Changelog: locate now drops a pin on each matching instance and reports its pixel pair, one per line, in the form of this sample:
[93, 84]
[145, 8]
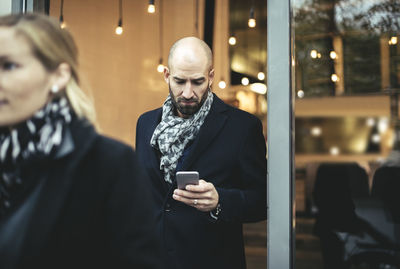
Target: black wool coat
[230, 152]
[92, 209]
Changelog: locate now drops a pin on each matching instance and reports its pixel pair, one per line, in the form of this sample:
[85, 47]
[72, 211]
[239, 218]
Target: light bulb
[160, 68]
[383, 125]
[376, 138]
[259, 88]
[151, 8]
[252, 22]
[393, 40]
[261, 75]
[370, 122]
[62, 22]
[232, 40]
[316, 131]
[300, 93]
[222, 84]
[333, 55]
[334, 150]
[245, 81]
[334, 78]
[314, 54]
[119, 30]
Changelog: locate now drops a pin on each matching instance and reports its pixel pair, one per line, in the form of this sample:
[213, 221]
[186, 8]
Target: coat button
[167, 207]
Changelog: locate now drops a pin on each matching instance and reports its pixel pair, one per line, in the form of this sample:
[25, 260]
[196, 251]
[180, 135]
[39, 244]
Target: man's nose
[188, 91]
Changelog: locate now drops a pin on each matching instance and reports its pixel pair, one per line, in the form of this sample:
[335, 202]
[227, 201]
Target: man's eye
[198, 82]
[180, 82]
[8, 66]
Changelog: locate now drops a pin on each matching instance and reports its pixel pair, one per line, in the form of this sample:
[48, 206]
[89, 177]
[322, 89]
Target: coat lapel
[152, 154]
[212, 125]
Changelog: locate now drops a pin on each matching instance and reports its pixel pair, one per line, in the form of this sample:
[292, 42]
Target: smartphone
[184, 178]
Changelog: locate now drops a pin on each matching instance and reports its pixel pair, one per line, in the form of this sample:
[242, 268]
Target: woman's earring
[54, 89]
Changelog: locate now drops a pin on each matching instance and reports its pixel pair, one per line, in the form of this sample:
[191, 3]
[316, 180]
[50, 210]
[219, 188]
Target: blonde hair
[52, 46]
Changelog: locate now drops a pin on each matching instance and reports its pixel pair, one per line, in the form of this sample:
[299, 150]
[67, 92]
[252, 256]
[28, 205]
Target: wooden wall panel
[121, 70]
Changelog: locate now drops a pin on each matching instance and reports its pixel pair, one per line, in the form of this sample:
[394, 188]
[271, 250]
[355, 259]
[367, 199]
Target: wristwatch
[215, 213]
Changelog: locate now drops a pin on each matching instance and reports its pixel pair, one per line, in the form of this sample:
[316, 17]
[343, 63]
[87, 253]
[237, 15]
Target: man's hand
[204, 196]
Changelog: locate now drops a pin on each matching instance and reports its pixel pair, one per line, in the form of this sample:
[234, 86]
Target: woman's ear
[61, 76]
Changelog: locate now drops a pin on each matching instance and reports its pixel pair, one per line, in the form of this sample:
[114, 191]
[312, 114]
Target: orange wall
[121, 70]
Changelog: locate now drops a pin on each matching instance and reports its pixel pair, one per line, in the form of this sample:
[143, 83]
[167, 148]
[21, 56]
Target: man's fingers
[193, 195]
[183, 199]
[203, 197]
[201, 204]
[202, 187]
[188, 201]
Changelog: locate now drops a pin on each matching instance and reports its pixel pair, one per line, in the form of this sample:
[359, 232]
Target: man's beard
[187, 110]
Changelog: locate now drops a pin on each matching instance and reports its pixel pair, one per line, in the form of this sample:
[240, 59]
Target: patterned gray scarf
[34, 139]
[173, 133]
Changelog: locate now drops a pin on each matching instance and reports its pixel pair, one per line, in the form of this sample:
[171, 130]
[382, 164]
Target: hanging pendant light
[119, 30]
[62, 22]
[160, 66]
[151, 8]
[252, 21]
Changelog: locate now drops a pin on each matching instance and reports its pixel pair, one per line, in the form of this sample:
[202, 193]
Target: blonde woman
[69, 197]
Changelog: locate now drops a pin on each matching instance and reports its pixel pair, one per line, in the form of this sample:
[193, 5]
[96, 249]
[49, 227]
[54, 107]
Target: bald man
[201, 226]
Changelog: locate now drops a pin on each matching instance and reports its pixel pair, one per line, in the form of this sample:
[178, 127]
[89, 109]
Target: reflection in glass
[347, 56]
[247, 62]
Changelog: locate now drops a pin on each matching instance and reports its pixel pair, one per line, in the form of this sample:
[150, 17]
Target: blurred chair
[375, 244]
[336, 185]
[386, 187]
[377, 241]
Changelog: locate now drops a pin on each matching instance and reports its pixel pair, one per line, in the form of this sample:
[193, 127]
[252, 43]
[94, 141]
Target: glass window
[248, 57]
[347, 83]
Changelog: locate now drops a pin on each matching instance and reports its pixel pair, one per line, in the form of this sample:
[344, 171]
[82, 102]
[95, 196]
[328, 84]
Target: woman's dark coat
[90, 208]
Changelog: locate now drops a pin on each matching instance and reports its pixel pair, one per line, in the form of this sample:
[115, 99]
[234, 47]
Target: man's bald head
[190, 49]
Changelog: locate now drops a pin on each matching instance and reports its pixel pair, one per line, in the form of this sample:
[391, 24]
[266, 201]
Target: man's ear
[61, 76]
[166, 74]
[210, 77]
